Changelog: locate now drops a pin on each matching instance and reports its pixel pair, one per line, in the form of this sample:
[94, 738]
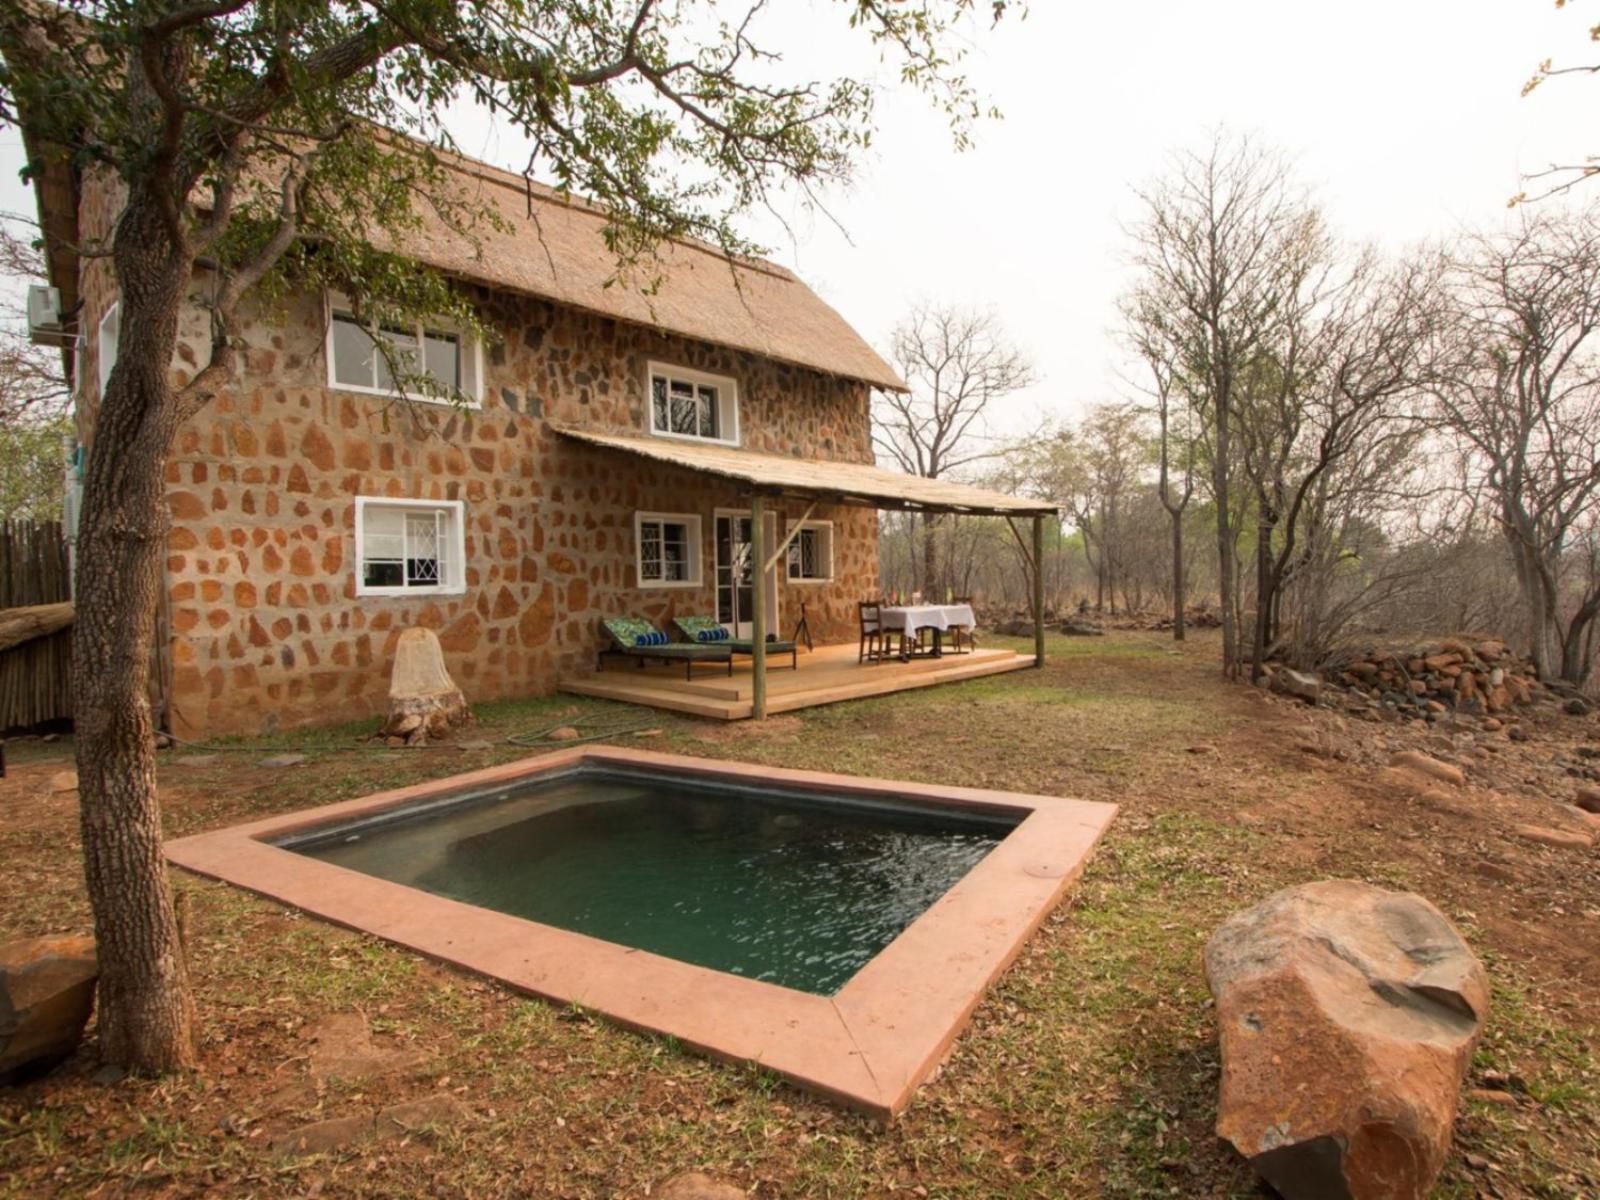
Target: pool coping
[869, 1046]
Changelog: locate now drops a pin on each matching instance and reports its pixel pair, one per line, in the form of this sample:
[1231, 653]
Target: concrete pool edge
[870, 1045]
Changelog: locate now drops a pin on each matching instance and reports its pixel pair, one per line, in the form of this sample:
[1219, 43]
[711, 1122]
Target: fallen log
[19, 625]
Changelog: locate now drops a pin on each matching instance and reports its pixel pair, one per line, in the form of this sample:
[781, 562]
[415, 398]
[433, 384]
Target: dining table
[909, 618]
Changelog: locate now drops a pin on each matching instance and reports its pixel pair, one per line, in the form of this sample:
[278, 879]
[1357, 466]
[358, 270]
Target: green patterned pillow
[628, 630]
[693, 627]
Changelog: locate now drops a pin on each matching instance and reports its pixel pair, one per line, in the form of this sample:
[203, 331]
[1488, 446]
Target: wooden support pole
[1038, 591]
[758, 610]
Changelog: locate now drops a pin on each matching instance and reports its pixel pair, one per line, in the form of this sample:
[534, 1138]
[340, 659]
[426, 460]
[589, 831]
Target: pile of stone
[1474, 678]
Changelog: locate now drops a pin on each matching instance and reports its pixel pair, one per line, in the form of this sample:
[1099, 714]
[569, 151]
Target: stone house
[315, 514]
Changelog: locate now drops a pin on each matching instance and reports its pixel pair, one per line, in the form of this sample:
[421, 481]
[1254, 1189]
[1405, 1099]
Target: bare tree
[1518, 383]
[957, 363]
[1092, 470]
[1209, 249]
[1156, 343]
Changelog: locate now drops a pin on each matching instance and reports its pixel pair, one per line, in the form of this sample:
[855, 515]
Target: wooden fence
[35, 677]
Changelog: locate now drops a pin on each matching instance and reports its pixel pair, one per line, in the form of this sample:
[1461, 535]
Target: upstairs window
[691, 404]
[447, 357]
[668, 546]
[811, 553]
[408, 547]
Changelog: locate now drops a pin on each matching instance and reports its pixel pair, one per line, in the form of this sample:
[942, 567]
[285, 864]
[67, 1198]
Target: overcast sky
[1404, 118]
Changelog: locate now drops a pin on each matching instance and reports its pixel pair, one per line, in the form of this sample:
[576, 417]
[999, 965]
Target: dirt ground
[334, 1065]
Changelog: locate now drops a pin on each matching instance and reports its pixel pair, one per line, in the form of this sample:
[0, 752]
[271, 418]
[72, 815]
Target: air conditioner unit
[45, 326]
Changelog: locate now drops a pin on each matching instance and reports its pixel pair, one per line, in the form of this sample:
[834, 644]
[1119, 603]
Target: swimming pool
[838, 931]
[791, 887]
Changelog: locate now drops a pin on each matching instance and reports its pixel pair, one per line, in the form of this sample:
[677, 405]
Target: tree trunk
[1225, 553]
[146, 1017]
[930, 557]
[1258, 642]
[1178, 598]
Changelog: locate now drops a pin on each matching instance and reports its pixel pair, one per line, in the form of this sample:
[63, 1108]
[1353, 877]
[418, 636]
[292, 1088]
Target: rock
[282, 760]
[1297, 684]
[475, 744]
[694, 1185]
[195, 760]
[1561, 839]
[1077, 629]
[1202, 749]
[1348, 1015]
[1491, 724]
[1576, 707]
[46, 994]
[436, 1111]
[424, 702]
[1517, 733]
[323, 1137]
[567, 733]
[343, 1049]
[1425, 764]
[64, 781]
[1588, 799]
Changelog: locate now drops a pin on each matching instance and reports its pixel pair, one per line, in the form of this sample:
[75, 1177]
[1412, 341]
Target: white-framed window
[692, 404]
[811, 553]
[667, 549]
[451, 358]
[409, 547]
[106, 338]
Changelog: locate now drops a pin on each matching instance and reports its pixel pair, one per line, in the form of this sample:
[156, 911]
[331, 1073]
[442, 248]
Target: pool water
[795, 889]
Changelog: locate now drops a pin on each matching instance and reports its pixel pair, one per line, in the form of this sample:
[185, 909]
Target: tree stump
[424, 701]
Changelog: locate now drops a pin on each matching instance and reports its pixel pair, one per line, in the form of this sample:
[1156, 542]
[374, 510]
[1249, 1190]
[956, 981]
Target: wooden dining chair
[964, 633]
[874, 637]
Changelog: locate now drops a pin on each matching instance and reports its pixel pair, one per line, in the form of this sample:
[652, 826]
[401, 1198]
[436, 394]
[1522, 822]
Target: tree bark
[146, 1012]
[1178, 597]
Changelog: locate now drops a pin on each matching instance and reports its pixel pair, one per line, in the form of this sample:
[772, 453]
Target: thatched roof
[832, 482]
[553, 247]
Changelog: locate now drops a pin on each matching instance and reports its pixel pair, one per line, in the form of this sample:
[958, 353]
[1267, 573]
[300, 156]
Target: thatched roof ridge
[554, 248]
[833, 482]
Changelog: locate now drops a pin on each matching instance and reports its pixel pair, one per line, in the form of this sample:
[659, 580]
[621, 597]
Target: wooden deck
[825, 675]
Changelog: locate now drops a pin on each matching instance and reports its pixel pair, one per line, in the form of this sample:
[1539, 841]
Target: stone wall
[266, 628]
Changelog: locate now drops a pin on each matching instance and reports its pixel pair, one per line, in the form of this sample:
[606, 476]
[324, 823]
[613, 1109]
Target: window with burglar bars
[688, 404]
[811, 554]
[406, 548]
[668, 549]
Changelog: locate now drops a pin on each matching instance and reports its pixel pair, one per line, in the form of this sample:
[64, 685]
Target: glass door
[736, 573]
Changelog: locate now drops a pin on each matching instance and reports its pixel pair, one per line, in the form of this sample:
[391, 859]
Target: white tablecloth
[927, 616]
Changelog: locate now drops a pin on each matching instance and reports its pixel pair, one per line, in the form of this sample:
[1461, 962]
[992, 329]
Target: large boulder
[46, 995]
[1347, 1016]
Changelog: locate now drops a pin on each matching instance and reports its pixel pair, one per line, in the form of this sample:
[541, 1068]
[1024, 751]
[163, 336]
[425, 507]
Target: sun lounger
[692, 628]
[640, 639]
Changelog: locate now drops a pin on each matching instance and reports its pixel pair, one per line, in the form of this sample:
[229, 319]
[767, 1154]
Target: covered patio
[825, 673]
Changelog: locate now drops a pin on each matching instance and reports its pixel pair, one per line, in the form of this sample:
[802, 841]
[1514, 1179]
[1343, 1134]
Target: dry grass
[1089, 1071]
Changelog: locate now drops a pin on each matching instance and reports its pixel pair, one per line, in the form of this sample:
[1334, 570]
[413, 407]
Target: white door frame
[740, 628]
